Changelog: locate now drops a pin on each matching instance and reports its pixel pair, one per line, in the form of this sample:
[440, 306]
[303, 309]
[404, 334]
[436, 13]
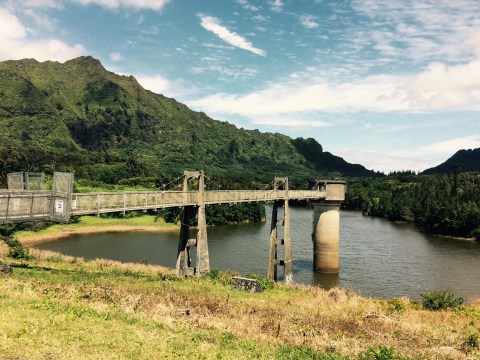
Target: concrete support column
[326, 237]
[202, 259]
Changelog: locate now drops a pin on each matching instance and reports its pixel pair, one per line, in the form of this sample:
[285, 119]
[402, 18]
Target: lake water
[378, 258]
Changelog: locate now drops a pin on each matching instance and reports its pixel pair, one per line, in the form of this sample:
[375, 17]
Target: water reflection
[377, 258]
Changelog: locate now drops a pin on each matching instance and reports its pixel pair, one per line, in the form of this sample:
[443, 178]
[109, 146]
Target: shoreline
[88, 225]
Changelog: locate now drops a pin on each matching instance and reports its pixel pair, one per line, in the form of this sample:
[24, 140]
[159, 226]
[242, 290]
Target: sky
[391, 85]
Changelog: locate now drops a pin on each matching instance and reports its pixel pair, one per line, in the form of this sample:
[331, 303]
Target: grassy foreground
[57, 307]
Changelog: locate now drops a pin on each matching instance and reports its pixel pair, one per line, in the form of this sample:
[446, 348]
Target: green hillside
[461, 161]
[79, 116]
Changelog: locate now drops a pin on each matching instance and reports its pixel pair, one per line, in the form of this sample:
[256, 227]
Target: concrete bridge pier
[202, 261]
[326, 236]
[275, 232]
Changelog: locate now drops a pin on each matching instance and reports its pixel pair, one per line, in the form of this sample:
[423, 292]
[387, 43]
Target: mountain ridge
[78, 115]
[465, 160]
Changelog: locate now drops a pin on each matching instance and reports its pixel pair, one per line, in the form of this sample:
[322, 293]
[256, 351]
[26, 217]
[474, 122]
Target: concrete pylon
[326, 237]
[202, 261]
[286, 241]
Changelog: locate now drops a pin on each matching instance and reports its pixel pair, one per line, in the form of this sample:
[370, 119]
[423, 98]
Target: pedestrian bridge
[25, 200]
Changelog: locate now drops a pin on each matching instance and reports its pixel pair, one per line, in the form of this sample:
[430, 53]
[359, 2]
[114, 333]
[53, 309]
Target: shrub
[265, 283]
[472, 342]
[396, 305]
[378, 353]
[440, 299]
[15, 248]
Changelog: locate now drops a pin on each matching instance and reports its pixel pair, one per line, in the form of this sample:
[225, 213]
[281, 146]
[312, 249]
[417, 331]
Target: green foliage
[221, 277]
[226, 213]
[378, 353]
[106, 127]
[473, 342]
[462, 160]
[396, 305]
[442, 204]
[15, 249]
[440, 300]
[265, 283]
[287, 352]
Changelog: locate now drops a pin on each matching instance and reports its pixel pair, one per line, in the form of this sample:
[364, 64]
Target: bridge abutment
[326, 237]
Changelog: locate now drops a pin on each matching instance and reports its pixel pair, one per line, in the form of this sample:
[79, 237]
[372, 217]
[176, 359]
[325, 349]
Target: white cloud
[276, 5]
[10, 26]
[453, 145]
[385, 162]
[15, 43]
[213, 24]
[115, 56]
[248, 6]
[157, 83]
[41, 20]
[420, 30]
[297, 123]
[135, 4]
[438, 87]
[308, 21]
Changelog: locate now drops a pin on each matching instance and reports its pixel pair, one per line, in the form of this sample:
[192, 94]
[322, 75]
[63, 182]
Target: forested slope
[462, 160]
[441, 204]
[106, 127]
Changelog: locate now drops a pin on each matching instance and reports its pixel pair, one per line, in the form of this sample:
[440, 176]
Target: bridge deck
[48, 205]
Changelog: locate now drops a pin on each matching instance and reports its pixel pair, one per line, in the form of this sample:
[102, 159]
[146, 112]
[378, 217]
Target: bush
[378, 353]
[15, 248]
[265, 283]
[396, 305]
[441, 299]
[472, 342]
[221, 277]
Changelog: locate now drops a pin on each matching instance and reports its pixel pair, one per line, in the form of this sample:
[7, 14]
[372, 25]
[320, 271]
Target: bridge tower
[184, 262]
[275, 241]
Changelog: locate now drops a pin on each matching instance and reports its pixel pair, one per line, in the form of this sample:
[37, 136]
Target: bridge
[25, 200]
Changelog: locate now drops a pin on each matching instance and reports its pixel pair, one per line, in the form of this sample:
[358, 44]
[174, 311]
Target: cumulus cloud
[10, 26]
[135, 4]
[16, 44]
[438, 87]
[156, 83]
[213, 24]
[451, 146]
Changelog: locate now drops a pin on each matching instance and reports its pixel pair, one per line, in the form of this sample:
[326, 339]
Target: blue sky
[392, 85]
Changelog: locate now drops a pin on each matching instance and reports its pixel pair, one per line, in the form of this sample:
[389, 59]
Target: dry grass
[120, 305]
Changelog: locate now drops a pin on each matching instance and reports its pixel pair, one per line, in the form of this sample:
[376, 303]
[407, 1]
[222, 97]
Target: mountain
[462, 160]
[79, 116]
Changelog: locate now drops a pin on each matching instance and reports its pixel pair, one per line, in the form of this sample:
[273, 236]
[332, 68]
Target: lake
[378, 258]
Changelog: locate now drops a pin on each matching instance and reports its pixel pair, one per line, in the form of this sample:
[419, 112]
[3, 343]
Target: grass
[61, 307]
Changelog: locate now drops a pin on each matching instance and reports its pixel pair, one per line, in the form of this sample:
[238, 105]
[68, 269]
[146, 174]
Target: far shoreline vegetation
[442, 205]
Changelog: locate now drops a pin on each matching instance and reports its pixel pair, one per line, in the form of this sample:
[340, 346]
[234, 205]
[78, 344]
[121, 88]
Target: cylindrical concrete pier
[326, 237]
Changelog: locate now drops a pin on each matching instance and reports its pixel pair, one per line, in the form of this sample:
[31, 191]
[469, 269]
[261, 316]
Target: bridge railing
[91, 203]
[33, 205]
